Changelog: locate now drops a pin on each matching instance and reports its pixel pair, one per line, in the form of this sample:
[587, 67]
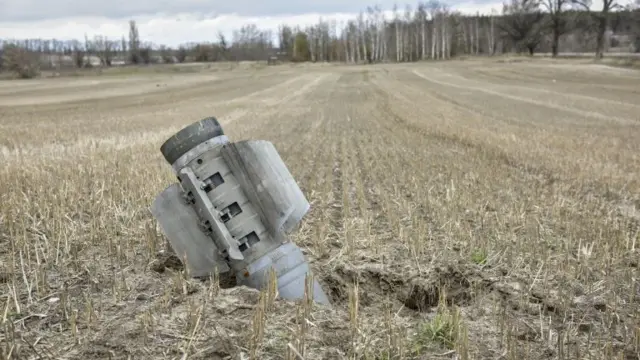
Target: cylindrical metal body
[223, 190]
[251, 214]
[290, 267]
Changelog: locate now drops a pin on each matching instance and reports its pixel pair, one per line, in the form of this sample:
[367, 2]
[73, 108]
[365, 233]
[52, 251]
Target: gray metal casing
[267, 182]
[204, 164]
[232, 210]
[179, 223]
[254, 177]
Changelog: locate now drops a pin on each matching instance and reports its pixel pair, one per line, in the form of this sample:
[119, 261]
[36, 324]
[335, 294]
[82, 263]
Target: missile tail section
[232, 209]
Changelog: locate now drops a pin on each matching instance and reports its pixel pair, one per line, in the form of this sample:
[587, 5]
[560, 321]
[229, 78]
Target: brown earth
[460, 210]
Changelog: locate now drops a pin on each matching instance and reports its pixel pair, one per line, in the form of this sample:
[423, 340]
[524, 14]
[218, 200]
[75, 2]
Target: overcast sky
[173, 22]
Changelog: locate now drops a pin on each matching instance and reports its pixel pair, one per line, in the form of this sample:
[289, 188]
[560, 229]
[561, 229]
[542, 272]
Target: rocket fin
[179, 223]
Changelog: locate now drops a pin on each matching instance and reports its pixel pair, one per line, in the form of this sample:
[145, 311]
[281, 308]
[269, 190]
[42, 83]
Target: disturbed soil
[480, 209]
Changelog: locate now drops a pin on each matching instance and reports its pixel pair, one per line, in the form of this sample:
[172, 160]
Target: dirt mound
[457, 284]
[166, 260]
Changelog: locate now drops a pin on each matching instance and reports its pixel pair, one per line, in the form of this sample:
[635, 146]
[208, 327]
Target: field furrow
[462, 210]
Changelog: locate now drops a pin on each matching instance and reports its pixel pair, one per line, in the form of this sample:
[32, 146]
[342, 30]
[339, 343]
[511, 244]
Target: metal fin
[179, 222]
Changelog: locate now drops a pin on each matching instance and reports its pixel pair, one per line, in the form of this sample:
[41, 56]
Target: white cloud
[174, 29]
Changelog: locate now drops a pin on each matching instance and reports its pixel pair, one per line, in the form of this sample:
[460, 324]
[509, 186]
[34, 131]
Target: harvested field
[460, 210]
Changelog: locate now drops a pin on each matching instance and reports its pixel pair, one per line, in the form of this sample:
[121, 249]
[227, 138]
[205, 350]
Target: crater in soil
[456, 284]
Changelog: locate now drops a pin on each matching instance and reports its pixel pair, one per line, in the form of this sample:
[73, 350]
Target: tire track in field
[398, 128]
[377, 147]
[135, 138]
[273, 117]
[289, 127]
[412, 194]
[500, 133]
[550, 93]
[521, 166]
[462, 144]
[320, 190]
[314, 139]
[413, 202]
[337, 210]
[432, 102]
[108, 90]
[367, 219]
[556, 136]
[570, 110]
[63, 123]
[476, 123]
[312, 156]
[576, 82]
[281, 87]
[365, 155]
[560, 89]
[348, 93]
[222, 91]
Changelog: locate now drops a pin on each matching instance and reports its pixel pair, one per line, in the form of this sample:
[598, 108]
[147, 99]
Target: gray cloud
[30, 10]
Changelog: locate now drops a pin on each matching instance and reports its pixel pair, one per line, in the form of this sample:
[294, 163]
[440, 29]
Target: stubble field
[460, 210]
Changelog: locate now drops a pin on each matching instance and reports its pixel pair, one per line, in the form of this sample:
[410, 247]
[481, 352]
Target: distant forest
[426, 31]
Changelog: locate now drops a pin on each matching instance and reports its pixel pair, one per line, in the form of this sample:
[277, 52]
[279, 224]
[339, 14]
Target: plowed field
[459, 210]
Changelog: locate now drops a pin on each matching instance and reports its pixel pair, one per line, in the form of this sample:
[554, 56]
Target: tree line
[427, 31]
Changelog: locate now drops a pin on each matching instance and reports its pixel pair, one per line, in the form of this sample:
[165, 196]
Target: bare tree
[181, 54]
[635, 8]
[477, 33]
[602, 21]
[145, 54]
[522, 22]
[491, 33]
[90, 51]
[166, 54]
[427, 30]
[123, 49]
[422, 19]
[407, 46]
[372, 29]
[223, 44]
[78, 55]
[445, 32]
[398, 34]
[558, 19]
[20, 61]
[134, 43]
[434, 8]
[104, 49]
[384, 44]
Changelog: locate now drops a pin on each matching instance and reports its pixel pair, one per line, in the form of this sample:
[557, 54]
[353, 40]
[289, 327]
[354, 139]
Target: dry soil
[477, 209]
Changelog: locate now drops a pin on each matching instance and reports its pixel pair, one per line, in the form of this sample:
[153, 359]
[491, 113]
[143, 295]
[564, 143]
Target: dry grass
[461, 210]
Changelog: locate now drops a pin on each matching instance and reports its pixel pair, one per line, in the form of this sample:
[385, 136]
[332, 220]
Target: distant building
[277, 58]
[62, 61]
